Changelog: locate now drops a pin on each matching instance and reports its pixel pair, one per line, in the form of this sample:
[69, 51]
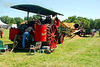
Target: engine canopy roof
[35, 9]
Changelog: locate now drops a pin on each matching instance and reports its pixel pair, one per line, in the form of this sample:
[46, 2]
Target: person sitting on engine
[76, 26]
[53, 19]
[26, 34]
[93, 32]
[57, 22]
[48, 19]
[99, 32]
[77, 30]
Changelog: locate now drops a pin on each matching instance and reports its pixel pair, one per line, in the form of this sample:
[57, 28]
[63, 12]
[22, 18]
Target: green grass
[72, 53]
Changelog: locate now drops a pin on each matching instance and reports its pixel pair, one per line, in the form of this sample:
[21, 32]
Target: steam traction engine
[47, 34]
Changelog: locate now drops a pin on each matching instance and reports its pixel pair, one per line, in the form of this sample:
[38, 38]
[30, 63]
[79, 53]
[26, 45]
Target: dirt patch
[75, 37]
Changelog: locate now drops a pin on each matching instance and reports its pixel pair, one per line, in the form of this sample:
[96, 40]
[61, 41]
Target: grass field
[84, 52]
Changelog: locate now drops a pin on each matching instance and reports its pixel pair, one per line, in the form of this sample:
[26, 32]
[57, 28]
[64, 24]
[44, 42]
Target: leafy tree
[97, 23]
[5, 19]
[34, 17]
[88, 23]
[29, 18]
[76, 21]
[12, 21]
[92, 23]
[18, 20]
[72, 19]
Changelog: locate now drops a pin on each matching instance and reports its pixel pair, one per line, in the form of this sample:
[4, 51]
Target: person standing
[99, 32]
[93, 32]
[26, 34]
[53, 19]
[1, 32]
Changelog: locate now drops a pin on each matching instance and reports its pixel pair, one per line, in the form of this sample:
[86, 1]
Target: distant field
[83, 52]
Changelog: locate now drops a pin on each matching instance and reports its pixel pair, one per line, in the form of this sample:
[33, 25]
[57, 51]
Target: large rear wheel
[52, 36]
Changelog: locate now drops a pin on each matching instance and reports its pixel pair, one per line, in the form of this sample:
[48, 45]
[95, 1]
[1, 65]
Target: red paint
[1, 34]
[57, 22]
[12, 33]
[52, 36]
[62, 38]
[40, 32]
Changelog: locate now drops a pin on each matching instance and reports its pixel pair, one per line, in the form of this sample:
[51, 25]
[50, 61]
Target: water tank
[40, 32]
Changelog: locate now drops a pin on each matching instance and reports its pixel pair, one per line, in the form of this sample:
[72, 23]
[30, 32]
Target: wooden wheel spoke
[49, 34]
[55, 31]
[49, 42]
[54, 40]
[55, 35]
[52, 36]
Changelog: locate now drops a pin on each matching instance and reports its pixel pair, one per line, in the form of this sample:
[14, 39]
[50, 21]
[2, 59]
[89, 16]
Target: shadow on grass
[17, 50]
[28, 53]
[22, 50]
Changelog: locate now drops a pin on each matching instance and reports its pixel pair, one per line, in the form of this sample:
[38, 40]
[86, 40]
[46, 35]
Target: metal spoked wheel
[52, 36]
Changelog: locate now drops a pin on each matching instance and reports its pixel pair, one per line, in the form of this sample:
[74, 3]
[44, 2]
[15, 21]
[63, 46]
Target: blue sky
[84, 8]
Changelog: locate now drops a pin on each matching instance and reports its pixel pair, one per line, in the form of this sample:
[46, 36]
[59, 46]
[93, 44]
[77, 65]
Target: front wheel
[61, 38]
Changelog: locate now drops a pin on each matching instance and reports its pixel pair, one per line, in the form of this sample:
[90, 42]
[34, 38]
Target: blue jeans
[26, 34]
[99, 32]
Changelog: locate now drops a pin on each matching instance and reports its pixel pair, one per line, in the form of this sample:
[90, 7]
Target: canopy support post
[27, 16]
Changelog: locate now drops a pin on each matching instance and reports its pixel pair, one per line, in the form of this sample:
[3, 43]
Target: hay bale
[77, 37]
[70, 25]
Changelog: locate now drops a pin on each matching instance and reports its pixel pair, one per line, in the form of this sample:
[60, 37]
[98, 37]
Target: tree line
[17, 20]
[89, 23]
[9, 20]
